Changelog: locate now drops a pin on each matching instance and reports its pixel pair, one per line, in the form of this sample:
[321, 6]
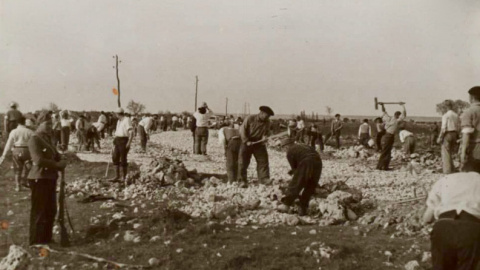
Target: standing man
[144, 129]
[254, 133]
[201, 131]
[380, 133]
[448, 137]
[102, 119]
[306, 168]
[434, 131]
[57, 130]
[455, 238]
[391, 127]
[300, 130]
[335, 130]
[364, 133]
[470, 124]
[81, 130]
[174, 123]
[229, 138]
[121, 144]
[18, 140]
[11, 118]
[292, 129]
[43, 181]
[65, 123]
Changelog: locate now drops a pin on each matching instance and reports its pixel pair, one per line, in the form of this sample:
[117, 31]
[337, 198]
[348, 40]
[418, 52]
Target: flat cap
[44, 117]
[13, 104]
[287, 141]
[474, 91]
[266, 110]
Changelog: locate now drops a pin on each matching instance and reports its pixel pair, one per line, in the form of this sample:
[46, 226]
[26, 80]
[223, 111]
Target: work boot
[117, 175]
[125, 174]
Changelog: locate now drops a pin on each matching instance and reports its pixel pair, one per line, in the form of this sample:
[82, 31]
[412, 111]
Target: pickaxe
[383, 103]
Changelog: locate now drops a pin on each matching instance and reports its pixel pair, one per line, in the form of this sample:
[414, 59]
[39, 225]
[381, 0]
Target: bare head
[337, 116]
[397, 114]
[474, 94]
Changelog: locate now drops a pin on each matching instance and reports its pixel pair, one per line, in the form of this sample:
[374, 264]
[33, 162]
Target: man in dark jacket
[306, 169]
[43, 181]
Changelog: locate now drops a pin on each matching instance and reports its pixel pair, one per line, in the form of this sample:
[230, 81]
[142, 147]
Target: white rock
[137, 225]
[155, 238]
[16, 259]
[129, 236]
[153, 262]
[313, 232]
[412, 265]
[10, 213]
[427, 256]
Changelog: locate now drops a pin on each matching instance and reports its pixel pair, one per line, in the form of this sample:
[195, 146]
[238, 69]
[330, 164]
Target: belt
[464, 216]
[20, 146]
[451, 131]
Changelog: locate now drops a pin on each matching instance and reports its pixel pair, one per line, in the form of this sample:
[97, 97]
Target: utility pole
[196, 92]
[226, 106]
[118, 80]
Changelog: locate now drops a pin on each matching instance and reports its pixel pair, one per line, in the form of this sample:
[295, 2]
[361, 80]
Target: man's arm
[443, 129]
[463, 149]
[404, 112]
[433, 200]
[359, 131]
[244, 130]
[221, 138]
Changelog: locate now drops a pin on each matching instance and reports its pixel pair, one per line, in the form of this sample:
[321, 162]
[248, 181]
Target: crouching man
[306, 167]
[455, 204]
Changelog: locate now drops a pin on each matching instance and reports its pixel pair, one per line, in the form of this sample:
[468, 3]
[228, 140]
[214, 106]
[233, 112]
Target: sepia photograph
[240, 134]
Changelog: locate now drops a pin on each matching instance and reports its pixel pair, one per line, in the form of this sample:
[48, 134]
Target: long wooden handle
[64, 240]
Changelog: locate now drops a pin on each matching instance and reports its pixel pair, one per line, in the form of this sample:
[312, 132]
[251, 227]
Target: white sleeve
[221, 137]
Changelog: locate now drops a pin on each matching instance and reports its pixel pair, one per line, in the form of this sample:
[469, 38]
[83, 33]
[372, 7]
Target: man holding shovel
[254, 133]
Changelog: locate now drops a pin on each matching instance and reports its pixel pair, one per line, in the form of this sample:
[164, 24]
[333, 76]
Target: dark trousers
[305, 178]
[293, 133]
[473, 158]
[65, 138]
[56, 138]
[336, 135]
[386, 155]
[21, 160]
[120, 151]
[143, 137]
[231, 152]
[43, 210]
[449, 146]
[92, 138]
[378, 139]
[456, 245]
[201, 140]
[259, 151]
[300, 136]
[364, 138]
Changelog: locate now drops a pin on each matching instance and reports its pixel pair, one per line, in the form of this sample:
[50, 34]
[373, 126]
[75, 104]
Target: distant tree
[135, 107]
[186, 113]
[458, 106]
[329, 110]
[167, 113]
[52, 107]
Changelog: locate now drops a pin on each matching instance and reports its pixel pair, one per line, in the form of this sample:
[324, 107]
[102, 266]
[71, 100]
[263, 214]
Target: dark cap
[44, 117]
[266, 110]
[474, 91]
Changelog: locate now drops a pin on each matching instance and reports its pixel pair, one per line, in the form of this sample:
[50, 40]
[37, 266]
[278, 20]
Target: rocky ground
[178, 212]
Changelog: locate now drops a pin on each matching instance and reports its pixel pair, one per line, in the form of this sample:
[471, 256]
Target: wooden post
[118, 81]
[196, 93]
[226, 106]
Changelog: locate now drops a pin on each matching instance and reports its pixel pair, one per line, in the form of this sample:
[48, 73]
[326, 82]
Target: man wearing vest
[470, 124]
[229, 138]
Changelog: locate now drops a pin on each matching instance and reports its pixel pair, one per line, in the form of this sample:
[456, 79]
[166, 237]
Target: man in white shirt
[408, 140]
[121, 144]
[364, 133]
[455, 239]
[81, 132]
[300, 130]
[448, 136]
[18, 140]
[201, 132]
[143, 129]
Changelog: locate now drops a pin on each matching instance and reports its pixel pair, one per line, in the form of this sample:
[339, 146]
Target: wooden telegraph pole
[196, 93]
[118, 81]
[226, 106]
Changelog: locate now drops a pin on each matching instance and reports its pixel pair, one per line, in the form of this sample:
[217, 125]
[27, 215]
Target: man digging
[306, 169]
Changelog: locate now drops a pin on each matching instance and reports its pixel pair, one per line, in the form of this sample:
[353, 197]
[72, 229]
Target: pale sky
[290, 55]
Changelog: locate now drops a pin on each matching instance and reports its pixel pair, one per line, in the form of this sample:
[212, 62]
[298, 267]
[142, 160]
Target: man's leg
[468, 243]
[204, 144]
[447, 154]
[116, 160]
[197, 142]
[314, 171]
[244, 161]
[383, 160]
[232, 159]
[17, 167]
[444, 254]
[41, 223]
[337, 137]
[388, 149]
[261, 156]
[51, 208]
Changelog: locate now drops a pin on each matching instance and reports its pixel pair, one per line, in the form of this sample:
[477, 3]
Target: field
[172, 222]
